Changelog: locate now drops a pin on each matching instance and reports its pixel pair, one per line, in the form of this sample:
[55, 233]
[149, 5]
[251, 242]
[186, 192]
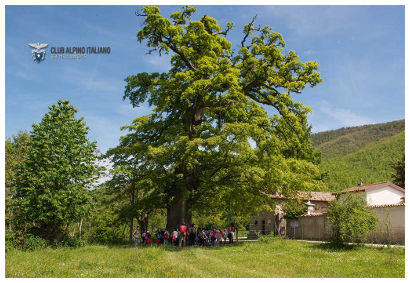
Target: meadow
[269, 258]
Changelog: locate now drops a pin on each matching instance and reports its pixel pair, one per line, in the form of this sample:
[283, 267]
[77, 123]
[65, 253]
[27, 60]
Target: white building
[384, 193]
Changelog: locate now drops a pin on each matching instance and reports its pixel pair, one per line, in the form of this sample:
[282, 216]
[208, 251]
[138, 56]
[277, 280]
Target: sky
[360, 50]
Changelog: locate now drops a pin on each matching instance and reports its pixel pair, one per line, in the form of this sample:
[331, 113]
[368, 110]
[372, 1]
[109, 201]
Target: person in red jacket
[182, 234]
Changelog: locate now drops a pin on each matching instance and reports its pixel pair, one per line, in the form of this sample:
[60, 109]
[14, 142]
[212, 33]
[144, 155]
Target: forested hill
[366, 152]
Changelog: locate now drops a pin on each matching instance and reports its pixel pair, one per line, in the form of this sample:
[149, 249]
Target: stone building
[274, 221]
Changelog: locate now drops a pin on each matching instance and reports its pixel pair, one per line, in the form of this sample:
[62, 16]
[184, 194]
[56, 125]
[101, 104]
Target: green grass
[276, 258]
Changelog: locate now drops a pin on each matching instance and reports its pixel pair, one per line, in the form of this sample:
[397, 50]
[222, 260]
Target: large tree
[209, 135]
[53, 181]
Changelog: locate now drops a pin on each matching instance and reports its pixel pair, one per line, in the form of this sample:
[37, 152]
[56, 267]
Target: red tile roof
[371, 187]
[313, 214]
[314, 196]
[386, 205]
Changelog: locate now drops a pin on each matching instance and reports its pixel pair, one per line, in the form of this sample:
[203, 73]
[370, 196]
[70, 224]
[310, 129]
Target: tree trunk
[80, 225]
[143, 223]
[178, 213]
[132, 218]
[10, 228]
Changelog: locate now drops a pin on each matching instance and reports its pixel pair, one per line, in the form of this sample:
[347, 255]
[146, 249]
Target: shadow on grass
[173, 248]
[331, 247]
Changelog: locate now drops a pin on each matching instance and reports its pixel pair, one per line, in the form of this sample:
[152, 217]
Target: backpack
[182, 228]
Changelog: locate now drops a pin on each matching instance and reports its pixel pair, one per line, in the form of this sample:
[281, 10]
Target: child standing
[166, 236]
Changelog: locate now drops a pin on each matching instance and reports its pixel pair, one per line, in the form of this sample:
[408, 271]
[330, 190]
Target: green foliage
[16, 149]
[73, 242]
[34, 242]
[209, 144]
[12, 240]
[294, 208]
[269, 238]
[399, 175]
[351, 219]
[53, 181]
[106, 227]
[372, 164]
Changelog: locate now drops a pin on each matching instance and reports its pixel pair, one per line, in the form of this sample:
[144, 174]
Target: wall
[390, 227]
[310, 228]
[385, 195]
[256, 222]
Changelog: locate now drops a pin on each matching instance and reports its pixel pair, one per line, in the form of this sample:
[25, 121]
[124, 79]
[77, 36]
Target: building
[274, 221]
[384, 193]
[386, 199]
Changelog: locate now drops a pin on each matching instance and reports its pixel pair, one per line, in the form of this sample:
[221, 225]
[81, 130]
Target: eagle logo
[38, 53]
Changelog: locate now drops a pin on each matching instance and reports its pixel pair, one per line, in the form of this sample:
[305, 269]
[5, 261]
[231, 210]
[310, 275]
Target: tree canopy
[60, 166]
[209, 143]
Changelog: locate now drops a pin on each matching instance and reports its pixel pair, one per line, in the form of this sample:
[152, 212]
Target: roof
[371, 187]
[314, 196]
[313, 214]
[387, 205]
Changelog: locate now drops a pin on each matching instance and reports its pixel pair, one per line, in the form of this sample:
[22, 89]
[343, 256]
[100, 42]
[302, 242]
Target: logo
[38, 53]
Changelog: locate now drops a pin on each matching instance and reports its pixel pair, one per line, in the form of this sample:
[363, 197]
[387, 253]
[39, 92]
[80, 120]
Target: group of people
[184, 236]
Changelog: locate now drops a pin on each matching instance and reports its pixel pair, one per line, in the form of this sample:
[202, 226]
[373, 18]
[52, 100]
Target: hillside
[341, 142]
[366, 152]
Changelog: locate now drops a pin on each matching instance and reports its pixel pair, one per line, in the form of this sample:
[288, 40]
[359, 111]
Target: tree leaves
[53, 181]
[209, 135]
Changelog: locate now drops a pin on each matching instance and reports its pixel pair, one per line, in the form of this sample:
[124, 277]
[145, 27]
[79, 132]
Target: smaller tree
[399, 175]
[53, 181]
[351, 219]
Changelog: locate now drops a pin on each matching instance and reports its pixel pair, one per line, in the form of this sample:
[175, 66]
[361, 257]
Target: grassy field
[275, 258]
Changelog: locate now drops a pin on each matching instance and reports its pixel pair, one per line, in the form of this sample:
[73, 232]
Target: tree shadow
[332, 247]
[173, 248]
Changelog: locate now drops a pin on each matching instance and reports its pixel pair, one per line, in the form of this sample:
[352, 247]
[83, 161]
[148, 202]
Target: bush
[268, 238]
[74, 243]
[107, 228]
[351, 219]
[12, 240]
[33, 242]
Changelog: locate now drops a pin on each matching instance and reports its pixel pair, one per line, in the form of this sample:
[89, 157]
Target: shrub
[12, 240]
[268, 238]
[73, 242]
[351, 219]
[33, 242]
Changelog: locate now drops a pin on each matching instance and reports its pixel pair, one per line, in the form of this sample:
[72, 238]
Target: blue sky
[360, 50]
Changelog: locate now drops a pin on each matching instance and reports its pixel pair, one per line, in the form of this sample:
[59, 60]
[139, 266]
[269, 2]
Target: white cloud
[343, 117]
